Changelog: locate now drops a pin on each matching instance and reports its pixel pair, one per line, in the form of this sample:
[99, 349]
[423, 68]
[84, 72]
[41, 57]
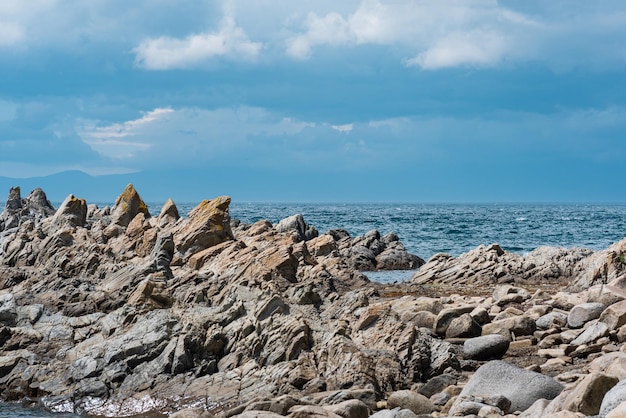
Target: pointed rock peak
[73, 210]
[127, 206]
[14, 201]
[206, 208]
[38, 202]
[208, 225]
[169, 209]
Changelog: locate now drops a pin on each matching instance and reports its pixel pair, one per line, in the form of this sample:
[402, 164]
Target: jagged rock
[8, 310]
[127, 205]
[73, 211]
[162, 254]
[295, 224]
[208, 225]
[169, 214]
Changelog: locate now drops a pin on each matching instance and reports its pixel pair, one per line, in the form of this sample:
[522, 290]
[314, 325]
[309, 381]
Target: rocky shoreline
[114, 312]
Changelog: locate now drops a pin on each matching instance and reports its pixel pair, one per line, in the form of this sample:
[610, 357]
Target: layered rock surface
[113, 312]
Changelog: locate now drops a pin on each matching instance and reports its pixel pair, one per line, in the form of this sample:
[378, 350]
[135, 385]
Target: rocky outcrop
[487, 265]
[35, 207]
[205, 315]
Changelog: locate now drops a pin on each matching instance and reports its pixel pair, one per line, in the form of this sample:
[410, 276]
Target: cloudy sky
[404, 100]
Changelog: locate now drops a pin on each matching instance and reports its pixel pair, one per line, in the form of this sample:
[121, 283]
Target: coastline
[117, 312]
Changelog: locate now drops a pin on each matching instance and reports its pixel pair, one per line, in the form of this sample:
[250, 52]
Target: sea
[428, 229]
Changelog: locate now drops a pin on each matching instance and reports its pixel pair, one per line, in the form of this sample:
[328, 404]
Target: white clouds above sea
[110, 86]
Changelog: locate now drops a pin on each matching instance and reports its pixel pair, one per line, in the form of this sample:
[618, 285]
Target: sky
[358, 100]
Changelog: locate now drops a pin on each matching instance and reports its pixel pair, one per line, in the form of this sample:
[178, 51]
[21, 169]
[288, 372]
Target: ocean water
[427, 229]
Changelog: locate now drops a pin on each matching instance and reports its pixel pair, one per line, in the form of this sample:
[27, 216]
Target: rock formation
[116, 313]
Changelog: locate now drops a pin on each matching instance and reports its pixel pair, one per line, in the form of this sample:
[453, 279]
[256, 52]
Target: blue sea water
[427, 229]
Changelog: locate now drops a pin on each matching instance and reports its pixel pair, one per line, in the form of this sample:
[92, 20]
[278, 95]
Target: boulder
[394, 413]
[486, 347]
[580, 314]
[613, 398]
[587, 396]
[551, 319]
[463, 327]
[521, 387]
[591, 334]
[518, 325]
[615, 315]
[413, 401]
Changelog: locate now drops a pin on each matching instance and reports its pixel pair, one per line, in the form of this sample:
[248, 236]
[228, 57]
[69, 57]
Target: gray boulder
[522, 387]
[407, 399]
[613, 398]
[580, 314]
[551, 319]
[394, 413]
[594, 332]
[486, 347]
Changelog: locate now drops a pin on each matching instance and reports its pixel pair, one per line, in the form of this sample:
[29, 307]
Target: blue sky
[403, 100]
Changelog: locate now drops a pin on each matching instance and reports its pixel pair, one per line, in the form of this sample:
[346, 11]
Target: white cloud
[443, 33]
[167, 53]
[347, 128]
[477, 48]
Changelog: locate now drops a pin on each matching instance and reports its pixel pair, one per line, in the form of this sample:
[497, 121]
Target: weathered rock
[463, 327]
[296, 225]
[394, 413]
[518, 325]
[169, 214]
[613, 398]
[486, 347]
[579, 315]
[413, 401]
[591, 334]
[615, 315]
[587, 397]
[72, 211]
[551, 319]
[127, 205]
[445, 317]
[8, 310]
[521, 387]
[208, 225]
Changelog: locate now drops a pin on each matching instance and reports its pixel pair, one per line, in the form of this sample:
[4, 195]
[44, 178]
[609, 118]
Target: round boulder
[486, 347]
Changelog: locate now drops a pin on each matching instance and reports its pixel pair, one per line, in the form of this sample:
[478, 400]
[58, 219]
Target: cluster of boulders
[114, 312]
